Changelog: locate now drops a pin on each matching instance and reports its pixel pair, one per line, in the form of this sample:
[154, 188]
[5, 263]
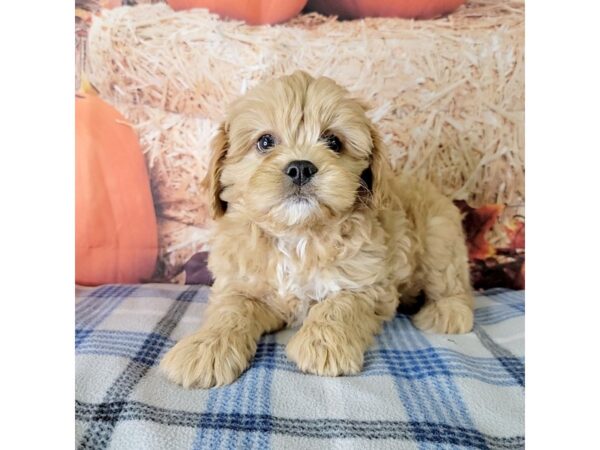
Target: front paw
[322, 350]
[208, 358]
[448, 316]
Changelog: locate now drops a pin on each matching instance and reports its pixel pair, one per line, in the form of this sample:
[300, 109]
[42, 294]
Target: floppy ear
[212, 181]
[377, 176]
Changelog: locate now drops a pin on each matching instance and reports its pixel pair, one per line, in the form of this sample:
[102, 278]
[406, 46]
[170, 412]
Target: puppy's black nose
[300, 171]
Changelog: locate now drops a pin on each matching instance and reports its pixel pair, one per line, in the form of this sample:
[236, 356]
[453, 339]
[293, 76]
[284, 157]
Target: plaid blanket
[416, 390]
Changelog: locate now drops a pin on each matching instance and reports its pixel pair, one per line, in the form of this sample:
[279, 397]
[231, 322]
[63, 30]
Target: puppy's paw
[448, 316]
[208, 359]
[322, 350]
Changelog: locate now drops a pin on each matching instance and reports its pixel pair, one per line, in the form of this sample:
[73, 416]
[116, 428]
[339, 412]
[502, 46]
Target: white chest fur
[308, 281]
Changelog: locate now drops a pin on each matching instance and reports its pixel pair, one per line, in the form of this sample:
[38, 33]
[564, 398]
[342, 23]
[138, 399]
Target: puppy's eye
[265, 142]
[333, 142]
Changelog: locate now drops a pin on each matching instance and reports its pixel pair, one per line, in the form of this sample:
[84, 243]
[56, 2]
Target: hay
[177, 243]
[177, 155]
[447, 94]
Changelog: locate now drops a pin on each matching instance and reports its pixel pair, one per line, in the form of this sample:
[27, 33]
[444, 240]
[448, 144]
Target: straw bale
[447, 94]
[178, 242]
[176, 151]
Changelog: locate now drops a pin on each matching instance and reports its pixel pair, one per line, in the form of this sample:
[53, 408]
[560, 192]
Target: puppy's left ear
[212, 181]
[379, 173]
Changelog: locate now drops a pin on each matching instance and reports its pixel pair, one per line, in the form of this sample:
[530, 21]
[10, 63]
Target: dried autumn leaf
[520, 279]
[196, 270]
[490, 273]
[515, 232]
[477, 222]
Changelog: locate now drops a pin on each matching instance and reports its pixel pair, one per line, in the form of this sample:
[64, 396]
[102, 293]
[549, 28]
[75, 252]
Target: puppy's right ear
[212, 181]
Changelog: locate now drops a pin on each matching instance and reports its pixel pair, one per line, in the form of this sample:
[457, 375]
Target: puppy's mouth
[301, 195]
[304, 196]
[299, 205]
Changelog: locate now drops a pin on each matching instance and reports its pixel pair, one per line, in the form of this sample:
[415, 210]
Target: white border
[37, 224]
[37, 200]
[562, 189]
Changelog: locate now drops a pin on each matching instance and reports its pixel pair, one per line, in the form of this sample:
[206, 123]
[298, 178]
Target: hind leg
[449, 301]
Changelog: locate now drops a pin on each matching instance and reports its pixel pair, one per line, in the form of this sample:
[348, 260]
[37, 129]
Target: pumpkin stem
[86, 87]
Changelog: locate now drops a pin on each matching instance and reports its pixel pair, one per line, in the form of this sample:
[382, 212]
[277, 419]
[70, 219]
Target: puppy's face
[293, 151]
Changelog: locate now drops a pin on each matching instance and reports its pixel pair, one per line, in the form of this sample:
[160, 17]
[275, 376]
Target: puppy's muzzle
[300, 172]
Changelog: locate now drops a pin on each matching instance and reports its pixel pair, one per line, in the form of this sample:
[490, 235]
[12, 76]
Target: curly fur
[338, 260]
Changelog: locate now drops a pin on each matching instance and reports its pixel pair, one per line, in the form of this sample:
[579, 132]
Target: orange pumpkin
[116, 239]
[110, 4]
[254, 12]
[410, 9]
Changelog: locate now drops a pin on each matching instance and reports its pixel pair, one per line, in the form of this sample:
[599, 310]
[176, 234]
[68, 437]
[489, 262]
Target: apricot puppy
[312, 228]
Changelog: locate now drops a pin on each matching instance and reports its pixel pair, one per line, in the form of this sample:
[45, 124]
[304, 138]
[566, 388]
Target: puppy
[314, 229]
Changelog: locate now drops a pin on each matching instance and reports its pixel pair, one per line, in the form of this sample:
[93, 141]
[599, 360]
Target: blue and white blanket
[416, 390]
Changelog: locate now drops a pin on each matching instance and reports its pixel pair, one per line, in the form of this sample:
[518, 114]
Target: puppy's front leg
[222, 349]
[335, 334]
